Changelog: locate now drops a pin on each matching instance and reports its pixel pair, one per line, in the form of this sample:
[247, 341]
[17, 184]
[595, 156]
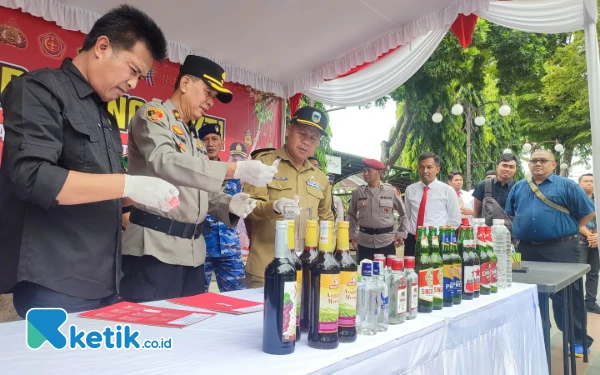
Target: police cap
[237, 148]
[209, 129]
[210, 72]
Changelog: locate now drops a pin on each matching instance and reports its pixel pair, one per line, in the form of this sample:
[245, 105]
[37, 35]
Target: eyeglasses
[541, 161]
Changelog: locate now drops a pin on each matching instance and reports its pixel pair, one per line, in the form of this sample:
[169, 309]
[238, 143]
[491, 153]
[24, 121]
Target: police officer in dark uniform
[371, 215]
[62, 181]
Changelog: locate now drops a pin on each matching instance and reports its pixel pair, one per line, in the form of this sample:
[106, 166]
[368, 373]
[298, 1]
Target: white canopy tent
[286, 47]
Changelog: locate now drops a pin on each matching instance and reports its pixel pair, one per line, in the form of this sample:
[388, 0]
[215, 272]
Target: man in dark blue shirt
[547, 234]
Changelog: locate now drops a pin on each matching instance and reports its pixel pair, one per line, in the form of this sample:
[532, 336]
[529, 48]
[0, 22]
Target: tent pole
[593, 74]
[283, 119]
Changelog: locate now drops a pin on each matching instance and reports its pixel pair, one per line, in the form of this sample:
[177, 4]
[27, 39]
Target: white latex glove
[281, 203]
[241, 205]
[255, 172]
[150, 191]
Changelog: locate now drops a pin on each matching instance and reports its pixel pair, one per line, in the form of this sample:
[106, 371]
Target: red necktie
[421, 216]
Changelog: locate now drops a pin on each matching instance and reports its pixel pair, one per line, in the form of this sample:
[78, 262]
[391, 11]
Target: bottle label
[438, 283]
[469, 283]
[426, 285]
[414, 296]
[329, 303]
[458, 280]
[448, 280]
[476, 279]
[348, 295]
[401, 299]
[493, 273]
[298, 295]
[485, 274]
[289, 311]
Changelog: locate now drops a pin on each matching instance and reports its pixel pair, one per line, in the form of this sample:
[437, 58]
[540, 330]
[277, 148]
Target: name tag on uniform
[314, 183]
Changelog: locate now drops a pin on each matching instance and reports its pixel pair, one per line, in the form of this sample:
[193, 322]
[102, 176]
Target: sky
[360, 132]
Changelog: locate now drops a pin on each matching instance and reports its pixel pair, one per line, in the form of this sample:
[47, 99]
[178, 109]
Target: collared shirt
[375, 209]
[499, 191]
[162, 145]
[441, 209]
[56, 123]
[536, 221]
[221, 239]
[308, 182]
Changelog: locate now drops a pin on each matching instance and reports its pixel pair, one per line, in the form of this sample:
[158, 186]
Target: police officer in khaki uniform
[164, 253]
[371, 215]
[295, 176]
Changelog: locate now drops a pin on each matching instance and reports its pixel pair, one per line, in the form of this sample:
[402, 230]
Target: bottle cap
[409, 262]
[397, 264]
[390, 259]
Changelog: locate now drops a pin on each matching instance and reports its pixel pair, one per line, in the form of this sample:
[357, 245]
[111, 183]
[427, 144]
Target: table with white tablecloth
[496, 334]
[230, 344]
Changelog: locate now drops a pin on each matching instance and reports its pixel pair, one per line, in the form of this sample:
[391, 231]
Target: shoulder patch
[154, 114]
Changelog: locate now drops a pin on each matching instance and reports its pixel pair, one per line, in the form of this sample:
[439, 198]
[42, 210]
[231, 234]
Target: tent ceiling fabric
[278, 46]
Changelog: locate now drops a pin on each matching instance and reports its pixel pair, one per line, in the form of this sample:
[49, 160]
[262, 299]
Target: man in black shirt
[61, 181]
[506, 167]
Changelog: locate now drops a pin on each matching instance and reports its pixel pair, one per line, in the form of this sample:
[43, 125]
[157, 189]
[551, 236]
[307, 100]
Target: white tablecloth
[453, 341]
[229, 344]
[496, 334]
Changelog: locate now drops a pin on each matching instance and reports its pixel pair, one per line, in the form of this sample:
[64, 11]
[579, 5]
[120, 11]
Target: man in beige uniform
[164, 253]
[295, 176]
[371, 215]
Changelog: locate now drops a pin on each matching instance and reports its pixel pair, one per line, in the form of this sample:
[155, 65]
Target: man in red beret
[371, 215]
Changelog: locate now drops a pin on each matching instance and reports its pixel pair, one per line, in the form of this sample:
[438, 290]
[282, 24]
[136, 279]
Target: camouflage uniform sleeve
[325, 212]
[264, 206]
[352, 218]
[402, 217]
[218, 206]
[155, 141]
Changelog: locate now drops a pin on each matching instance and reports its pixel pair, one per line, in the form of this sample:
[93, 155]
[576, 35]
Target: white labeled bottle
[366, 305]
[382, 298]
[398, 293]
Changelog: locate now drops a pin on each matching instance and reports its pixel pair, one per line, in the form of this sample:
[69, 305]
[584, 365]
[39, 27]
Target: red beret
[375, 164]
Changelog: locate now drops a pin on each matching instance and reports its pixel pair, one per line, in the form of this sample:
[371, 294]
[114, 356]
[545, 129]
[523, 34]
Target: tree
[450, 73]
[560, 109]
[500, 64]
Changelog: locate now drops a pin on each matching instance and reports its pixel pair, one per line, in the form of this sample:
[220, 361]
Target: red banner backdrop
[28, 43]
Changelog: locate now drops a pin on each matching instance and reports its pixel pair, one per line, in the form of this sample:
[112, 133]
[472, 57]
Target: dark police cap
[209, 129]
[210, 72]
[311, 116]
[237, 148]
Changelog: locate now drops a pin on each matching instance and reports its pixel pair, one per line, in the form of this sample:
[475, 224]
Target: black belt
[165, 225]
[377, 230]
[562, 239]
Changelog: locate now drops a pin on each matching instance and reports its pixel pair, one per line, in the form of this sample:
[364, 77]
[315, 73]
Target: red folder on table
[220, 303]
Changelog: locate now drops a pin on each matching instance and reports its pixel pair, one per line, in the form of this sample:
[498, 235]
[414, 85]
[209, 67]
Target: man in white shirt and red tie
[429, 202]
[465, 200]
